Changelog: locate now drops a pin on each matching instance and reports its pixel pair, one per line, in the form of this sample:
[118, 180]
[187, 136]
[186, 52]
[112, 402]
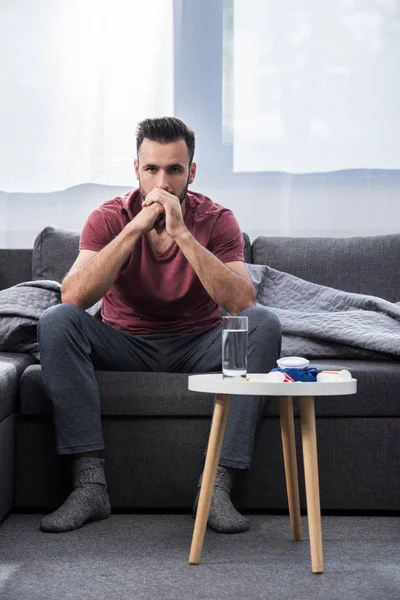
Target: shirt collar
[129, 200]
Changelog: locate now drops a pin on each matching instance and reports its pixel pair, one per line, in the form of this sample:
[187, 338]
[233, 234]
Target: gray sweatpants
[73, 344]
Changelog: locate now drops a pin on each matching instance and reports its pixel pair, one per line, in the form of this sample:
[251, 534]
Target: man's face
[166, 166]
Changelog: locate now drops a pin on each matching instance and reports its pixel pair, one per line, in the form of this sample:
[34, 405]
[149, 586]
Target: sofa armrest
[11, 368]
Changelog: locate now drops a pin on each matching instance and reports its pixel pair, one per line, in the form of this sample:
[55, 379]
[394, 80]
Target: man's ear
[192, 172]
[136, 165]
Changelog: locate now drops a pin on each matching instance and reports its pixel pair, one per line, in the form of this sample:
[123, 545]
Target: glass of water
[234, 347]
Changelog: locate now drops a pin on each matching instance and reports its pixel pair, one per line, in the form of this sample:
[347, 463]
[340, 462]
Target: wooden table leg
[290, 461]
[220, 416]
[309, 440]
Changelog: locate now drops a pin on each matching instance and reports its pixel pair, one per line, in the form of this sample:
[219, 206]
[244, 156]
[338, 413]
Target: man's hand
[171, 208]
[146, 218]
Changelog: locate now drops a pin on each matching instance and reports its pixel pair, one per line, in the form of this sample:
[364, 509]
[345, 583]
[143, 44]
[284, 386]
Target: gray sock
[223, 516]
[88, 502]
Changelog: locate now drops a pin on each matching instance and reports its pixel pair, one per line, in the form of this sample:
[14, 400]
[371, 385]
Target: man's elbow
[237, 307]
[68, 298]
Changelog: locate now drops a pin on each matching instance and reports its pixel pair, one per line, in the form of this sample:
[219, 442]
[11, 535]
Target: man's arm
[93, 273]
[229, 285]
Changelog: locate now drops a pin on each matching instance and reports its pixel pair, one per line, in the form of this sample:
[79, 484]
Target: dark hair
[164, 130]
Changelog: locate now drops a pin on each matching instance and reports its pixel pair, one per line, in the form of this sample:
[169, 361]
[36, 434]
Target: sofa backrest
[53, 254]
[364, 265]
[15, 266]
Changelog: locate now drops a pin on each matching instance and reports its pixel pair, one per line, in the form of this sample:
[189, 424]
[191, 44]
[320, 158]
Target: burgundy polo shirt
[161, 293]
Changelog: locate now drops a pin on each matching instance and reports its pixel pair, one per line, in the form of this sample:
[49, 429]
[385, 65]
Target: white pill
[275, 376]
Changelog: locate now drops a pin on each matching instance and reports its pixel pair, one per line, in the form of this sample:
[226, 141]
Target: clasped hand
[171, 215]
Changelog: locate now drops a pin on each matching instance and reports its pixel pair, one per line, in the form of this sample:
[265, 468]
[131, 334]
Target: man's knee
[264, 320]
[59, 316]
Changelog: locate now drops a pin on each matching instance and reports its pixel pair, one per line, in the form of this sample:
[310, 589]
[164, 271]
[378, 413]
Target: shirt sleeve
[96, 233]
[226, 241]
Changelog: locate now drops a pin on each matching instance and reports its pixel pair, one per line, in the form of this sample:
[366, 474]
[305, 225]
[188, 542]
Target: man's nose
[162, 180]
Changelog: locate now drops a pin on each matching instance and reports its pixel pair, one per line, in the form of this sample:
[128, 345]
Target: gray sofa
[156, 430]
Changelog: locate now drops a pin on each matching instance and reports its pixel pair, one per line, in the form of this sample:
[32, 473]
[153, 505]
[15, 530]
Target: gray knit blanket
[322, 322]
[317, 321]
[20, 309]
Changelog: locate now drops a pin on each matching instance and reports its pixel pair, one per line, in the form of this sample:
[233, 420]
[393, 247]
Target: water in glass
[234, 352]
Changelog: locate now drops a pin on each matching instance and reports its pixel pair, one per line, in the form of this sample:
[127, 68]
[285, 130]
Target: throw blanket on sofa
[20, 309]
[319, 321]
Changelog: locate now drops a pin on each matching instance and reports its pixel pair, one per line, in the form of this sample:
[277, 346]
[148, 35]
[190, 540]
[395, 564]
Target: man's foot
[223, 516]
[88, 502]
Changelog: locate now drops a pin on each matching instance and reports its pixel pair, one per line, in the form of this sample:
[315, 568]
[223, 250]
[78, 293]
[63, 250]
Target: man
[165, 261]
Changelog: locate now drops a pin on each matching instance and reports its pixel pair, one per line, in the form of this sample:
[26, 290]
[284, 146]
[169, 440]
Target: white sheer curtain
[76, 77]
[294, 106]
[315, 85]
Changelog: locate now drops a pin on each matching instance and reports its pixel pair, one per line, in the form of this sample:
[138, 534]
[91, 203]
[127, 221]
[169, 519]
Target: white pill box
[331, 376]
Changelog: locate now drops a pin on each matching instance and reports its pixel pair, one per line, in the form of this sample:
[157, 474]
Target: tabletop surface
[256, 385]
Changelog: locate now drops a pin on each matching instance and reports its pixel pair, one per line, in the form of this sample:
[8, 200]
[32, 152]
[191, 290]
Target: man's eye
[175, 170]
[151, 169]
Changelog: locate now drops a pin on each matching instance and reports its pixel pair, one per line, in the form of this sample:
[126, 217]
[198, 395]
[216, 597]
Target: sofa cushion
[125, 393]
[55, 250]
[138, 394]
[377, 394]
[11, 368]
[364, 265]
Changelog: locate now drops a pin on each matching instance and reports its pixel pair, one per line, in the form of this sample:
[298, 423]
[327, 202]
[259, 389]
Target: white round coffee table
[257, 385]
